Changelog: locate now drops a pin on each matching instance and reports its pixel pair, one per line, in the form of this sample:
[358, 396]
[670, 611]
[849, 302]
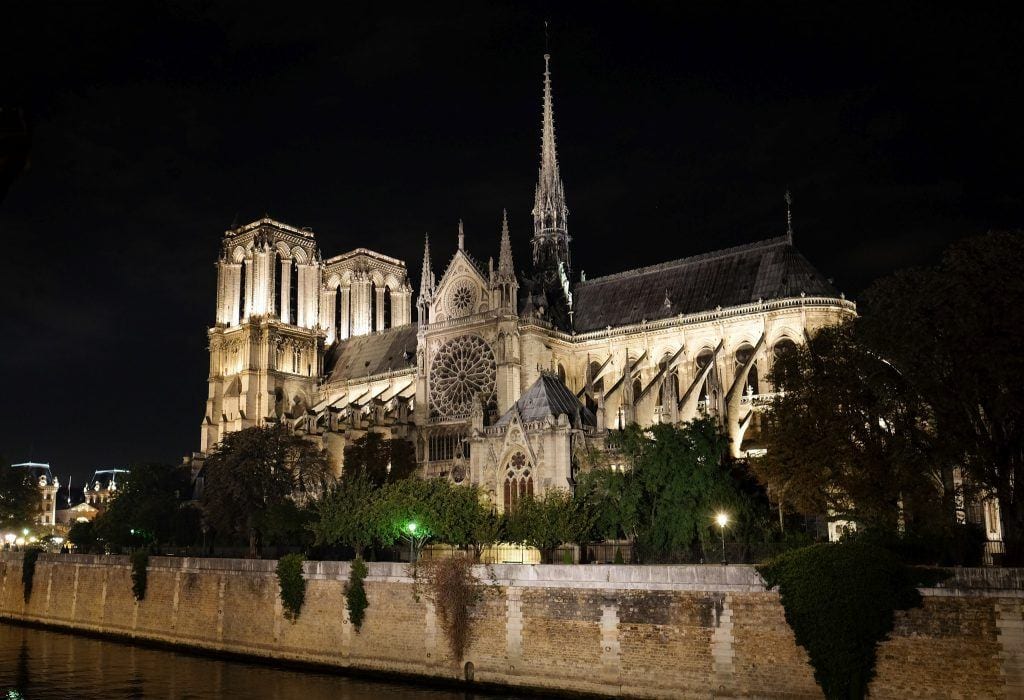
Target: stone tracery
[463, 371]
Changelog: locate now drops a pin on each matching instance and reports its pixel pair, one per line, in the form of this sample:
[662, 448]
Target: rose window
[462, 298]
[462, 372]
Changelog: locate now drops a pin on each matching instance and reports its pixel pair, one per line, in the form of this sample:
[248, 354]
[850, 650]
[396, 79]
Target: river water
[41, 664]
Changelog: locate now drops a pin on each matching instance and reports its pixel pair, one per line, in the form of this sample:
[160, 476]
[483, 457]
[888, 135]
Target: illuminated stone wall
[615, 630]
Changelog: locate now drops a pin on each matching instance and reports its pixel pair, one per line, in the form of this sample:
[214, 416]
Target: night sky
[154, 127]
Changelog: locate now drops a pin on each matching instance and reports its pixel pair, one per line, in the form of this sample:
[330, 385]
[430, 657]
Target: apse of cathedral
[512, 372]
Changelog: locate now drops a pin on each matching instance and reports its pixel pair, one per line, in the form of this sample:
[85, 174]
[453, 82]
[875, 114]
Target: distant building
[103, 486]
[48, 485]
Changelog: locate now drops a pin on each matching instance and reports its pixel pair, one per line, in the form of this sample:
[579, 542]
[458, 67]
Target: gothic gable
[462, 290]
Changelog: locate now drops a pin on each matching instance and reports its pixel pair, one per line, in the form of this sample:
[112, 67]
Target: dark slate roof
[769, 269]
[393, 349]
[548, 397]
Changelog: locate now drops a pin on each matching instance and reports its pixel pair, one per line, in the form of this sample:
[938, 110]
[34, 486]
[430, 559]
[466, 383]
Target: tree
[145, 509]
[348, 514]
[546, 522]
[679, 478]
[19, 498]
[83, 536]
[847, 435]
[383, 460]
[255, 470]
[955, 332]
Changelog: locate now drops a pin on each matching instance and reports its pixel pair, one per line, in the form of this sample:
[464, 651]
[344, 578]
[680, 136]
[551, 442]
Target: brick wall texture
[674, 632]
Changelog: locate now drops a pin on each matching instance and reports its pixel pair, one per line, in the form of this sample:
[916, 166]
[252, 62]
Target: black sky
[154, 126]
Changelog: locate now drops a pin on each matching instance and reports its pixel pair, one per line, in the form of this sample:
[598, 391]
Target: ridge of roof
[692, 259]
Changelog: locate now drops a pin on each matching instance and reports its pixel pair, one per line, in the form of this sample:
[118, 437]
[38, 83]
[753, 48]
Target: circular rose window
[462, 372]
[462, 298]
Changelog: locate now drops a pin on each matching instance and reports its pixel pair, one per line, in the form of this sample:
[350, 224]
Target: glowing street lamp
[723, 519]
[9, 539]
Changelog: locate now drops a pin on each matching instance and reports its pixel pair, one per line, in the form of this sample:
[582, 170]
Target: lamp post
[722, 519]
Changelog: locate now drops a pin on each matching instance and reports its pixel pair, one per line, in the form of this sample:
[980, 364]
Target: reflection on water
[40, 664]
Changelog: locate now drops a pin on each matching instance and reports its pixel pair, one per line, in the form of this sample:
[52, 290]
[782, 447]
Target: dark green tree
[144, 511]
[255, 470]
[19, 498]
[383, 460]
[83, 536]
[348, 513]
[679, 478]
[546, 522]
[847, 435]
[954, 331]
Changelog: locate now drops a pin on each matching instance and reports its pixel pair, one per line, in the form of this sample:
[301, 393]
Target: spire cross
[789, 215]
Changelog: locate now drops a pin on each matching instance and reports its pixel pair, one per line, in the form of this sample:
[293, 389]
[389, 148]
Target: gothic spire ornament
[789, 216]
[550, 214]
[505, 271]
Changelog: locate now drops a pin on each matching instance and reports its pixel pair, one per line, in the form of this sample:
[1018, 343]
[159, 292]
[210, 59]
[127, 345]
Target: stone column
[345, 329]
[250, 268]
[401, 307]
[327, 313]
[286, 290]
[360, 304]
[378, 294]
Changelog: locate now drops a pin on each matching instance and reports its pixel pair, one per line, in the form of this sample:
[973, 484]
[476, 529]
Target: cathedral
[514, 370]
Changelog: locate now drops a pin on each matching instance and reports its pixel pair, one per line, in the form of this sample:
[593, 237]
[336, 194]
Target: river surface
[40, 664]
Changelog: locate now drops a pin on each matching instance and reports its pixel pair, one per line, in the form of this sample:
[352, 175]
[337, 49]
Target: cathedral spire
[426, 282]
[505, 254]
[550, 234]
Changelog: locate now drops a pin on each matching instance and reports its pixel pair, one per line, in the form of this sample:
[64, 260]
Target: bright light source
[20, 541]
[58, 540]
[9, 537]
[24, 531]
[411, 527]
[722, 519]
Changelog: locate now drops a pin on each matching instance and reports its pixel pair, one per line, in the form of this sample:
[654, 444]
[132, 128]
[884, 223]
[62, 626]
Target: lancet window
[518, 480]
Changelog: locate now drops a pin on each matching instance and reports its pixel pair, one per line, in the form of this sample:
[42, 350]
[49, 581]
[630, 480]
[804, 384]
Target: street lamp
[723, 519]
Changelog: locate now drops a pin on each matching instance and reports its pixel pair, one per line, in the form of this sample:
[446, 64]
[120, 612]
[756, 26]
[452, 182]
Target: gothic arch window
[670, 381]
[276, 306]
[293, 294]
[704, 358]
[388, 320]
[744, 353]
[782, 346]
[561, 372]
[242, 274]
[595, 367]
[518, 480]
[637, 388]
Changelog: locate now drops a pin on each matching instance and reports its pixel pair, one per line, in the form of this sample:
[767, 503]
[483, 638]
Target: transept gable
[462, 291]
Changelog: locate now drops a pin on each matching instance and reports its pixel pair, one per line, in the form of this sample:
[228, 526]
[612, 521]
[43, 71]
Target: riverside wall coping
[704, 577]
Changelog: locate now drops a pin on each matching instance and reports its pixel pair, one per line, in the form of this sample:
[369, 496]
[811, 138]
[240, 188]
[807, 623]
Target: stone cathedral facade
[513, 369]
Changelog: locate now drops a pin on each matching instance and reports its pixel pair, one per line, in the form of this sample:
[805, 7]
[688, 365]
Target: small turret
[504, 282]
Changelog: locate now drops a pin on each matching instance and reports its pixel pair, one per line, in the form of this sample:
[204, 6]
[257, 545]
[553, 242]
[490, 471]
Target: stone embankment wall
[643, 631]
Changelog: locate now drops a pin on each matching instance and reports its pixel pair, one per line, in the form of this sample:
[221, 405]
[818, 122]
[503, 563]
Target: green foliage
[19, 499]
[253, 471]
[548, 521]
[28, 570]
[140, 564]
[680, 477]
[355, 593]
[292, 584]
[954, 332]
[372, 454]
[839, 599]
[618, 556]
[847, 436]
[347, 514]
[83, 536]
[145, 510]
[454, 589]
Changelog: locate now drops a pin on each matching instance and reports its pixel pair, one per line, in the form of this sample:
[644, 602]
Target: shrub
[140, 562]
[453, 589]
[293, 586]
[839, 599]
[28, 570]
[618, 556]
[355, 593]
